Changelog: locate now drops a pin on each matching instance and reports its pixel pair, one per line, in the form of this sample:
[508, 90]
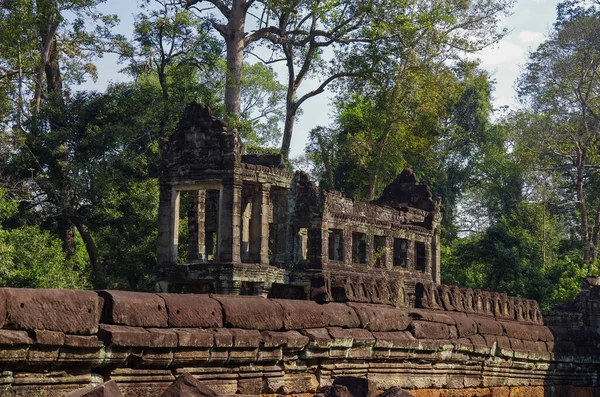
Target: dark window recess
[336, 245]
[379, 251]
[400, 252]
[359, 247]
[419, 294]
[420, 248]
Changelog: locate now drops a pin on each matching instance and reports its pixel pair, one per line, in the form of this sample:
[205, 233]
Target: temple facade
[245, 225]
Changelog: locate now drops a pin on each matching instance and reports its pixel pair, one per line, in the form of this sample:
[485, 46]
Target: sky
[529, 24]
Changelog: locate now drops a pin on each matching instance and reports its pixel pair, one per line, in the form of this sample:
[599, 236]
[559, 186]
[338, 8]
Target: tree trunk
[288, 127]
[92, 251]
[162, 80]
[372, 183]
[20, 89]
[585, 232]
[55, 90]
[47, 27]
[234, 40]
[290, 102]
[65, 233]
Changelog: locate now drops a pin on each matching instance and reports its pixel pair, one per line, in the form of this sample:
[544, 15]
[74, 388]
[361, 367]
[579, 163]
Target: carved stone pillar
[259, 234]
[229, 223]
[317, 247]
[435, 257]
[196, 229]
[168, 225]
[369, 247]
[389, 252]
[284, 247]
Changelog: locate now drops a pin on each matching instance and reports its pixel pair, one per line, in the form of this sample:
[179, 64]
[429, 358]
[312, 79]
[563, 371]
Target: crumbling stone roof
[405, 192]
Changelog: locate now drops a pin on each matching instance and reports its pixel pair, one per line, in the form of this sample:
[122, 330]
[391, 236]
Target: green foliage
[125, 223]
[519, 255]
[558, 132]
[262, 103]
[32, 258]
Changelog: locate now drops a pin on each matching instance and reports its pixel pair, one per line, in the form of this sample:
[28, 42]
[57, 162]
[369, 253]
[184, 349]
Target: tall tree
[561, 82]
[298, 31]
[48, 53]
[172, 41]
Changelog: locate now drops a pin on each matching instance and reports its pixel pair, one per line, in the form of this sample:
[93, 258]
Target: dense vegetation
[78, 191]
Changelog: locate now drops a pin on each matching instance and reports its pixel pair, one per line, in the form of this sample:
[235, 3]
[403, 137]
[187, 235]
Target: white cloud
[505, 52]
[530, 38]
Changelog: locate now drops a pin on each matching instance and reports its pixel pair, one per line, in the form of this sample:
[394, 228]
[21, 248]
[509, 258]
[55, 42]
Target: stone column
[246, 216]
[389, 252]
[435, 257]
[411, 255]
[283, 246]
[369, 247]
[347, 244]
[317, 246]
[168, 225]
[196, 229]
[230, 202]
[259, 225]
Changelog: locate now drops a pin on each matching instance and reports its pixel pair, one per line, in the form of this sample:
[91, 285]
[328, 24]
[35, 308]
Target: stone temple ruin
[291, 291]
[254, 228]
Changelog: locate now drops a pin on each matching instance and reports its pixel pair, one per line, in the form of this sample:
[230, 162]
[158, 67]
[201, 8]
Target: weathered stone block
[134, 309]
[395, 340]
[191, 337]
[517, 344]
[14, 338]
[319, 337]
[307, 314]
[381, 318]
[477, 340]
[162, 337]
[155, 358]
[44, 337]
[108, 389]
[252, 386]
[270, 354]
[427, 330]
[247, 312]
[80, 357]
[299, 383]
[519, 331]
[188, 386]
[48, 309]
[193, 311]
[288, 339]
[357, 336]
[40, 356]
[81, 341]
[223, 337]
[51, 383]
[245, 338]
[187, 356]
[121, 335]
[487, 325]
[433, 316]
[465, 326]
